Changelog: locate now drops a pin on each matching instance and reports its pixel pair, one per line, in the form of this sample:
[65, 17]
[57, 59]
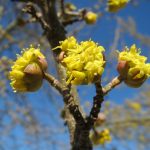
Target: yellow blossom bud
[90, 17]
[69, 43]
[43, 63]
[116, 5]
[132, 67]
[27, 71]
[105, 132]
[100, 137]
[33, 77]
[84, 62]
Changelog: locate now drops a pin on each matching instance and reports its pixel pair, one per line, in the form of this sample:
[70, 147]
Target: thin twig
[4, 32]
[69, 22]
[54, 82]
[112, 84]
[30, 9]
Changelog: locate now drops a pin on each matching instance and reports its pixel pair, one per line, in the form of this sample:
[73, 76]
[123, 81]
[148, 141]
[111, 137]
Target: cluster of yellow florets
[84, 62]
[26, 74]
[115, 5]
[132, 66]
[100, 137]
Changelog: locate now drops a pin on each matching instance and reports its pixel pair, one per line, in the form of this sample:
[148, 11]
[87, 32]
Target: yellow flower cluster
[135, 106]
[115, 5]
[101, 137]
[136, 71]
[26, 74]
[84, 62]
[90, 17]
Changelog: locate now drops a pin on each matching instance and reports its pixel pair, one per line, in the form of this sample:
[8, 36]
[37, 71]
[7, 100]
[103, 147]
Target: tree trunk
[81, 138]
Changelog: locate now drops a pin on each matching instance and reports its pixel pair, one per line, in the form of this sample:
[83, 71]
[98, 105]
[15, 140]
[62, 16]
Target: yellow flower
[68, 44]
[90, 17]
[100, 137]
[84, 62]
[27, 71]
[115, 5]
[132, 66]
[135, 106]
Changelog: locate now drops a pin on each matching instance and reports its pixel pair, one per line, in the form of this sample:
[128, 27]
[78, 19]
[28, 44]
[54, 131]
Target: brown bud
[100, 119]
[61, 56]
[135, 82]
[123, 68]
[43, 63]
[33, 77]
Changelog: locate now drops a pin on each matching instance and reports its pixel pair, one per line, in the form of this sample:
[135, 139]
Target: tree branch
[4, 32]
[30, 9]
[99, 98]
[53, 82]
[69, 22]
[68, 98]
[62, 7]
[112, 84]
[57, 32]
[97, 102]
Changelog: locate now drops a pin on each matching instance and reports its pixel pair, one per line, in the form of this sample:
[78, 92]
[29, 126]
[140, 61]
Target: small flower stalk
[100, 138]
[116, 5]
[132, 67]
[27, 72]
[84, 61]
